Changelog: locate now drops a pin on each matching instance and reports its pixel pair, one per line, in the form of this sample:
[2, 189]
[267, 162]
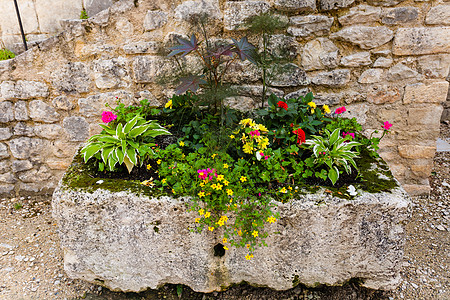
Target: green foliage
[127, 144]
[6, 54]
[126, 113]
[334, 152]
[83, 15]
[18, 205]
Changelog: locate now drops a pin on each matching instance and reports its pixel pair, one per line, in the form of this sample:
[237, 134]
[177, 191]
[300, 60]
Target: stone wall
[385, 60]
[41, 18]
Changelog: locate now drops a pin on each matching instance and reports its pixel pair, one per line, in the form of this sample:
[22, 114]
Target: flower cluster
[340, 110]
[252, 136]
[108, 116]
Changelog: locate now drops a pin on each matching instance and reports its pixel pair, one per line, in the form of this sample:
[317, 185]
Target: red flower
[340, 110]
[301, 138]
[282, 105]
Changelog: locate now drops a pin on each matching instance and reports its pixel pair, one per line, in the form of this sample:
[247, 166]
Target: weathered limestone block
[6, 112]
[23, 89]
[62, 149]
[319, 54]
[334, 4]
[371, 76]
[434, 66]
[333, 78]
[8, 21]
[282, 46]
[21, 165]
[155, 19]
[148, 69]
[399, 15]
[358, 111]
[255, 90]
[438, 15]
[5, 166]
[6, 189]
[289, 75]
[384, 2]
[58, 164]
[77, 128]
[421, 40]
[384, 94]
[3, 151]
[93, 7]
[101, 19]
[400, 72]
[20, 111]
[416, 151]
[310, 25]
[48, 131]
[434, 92]
[329, 99]
[42, 112]
[24, 147]
[49, 12]
[8, 178]
[294, 5]
[93, 106]
[237, 13]
[111, 73]
[74, 77]
[420, 116]
[189, 11]
[298, 93]
[383, 62]
[36, 175]
[22, 129]
[124, 27]
[62, 102]
[145, 242]
[364, 36]
[361, 14]
[356, 60]
[141, 47]
[5, 133]
[241, 103]
[242, 72]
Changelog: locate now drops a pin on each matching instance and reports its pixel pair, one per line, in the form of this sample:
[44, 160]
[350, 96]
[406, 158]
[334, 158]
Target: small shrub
[84, 15]
[6, 54]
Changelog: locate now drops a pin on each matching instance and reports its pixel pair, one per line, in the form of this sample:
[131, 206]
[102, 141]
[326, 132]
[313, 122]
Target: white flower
[258, 155]
[100, 182]
[352, 191]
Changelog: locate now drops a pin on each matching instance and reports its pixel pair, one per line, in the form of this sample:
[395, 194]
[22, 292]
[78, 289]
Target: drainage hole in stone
[219, 250]
[175, 209]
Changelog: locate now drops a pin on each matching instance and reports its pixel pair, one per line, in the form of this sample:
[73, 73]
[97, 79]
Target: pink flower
[256, 132]
[344, 134]
[108, 116]
[387, 125]
[340, 110]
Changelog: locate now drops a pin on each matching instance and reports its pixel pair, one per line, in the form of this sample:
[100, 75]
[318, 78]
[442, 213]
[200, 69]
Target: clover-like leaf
[186, 46]
[245, 50]
[191, 83]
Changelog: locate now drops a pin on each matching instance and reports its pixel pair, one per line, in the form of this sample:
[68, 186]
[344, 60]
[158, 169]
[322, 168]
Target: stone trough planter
[119, 235]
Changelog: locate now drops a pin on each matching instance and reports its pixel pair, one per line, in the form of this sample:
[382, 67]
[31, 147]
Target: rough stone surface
[189, 11]
[335, 4]
[24, 147]
[356, 60]
[333, 78]
[77, 128]
[434, 92]
[416, 151]
[5, 133]
[383, 62]
[6, 112]
[20, 111]
[73, 77]
[5, 166]
[434, 66]
[371, 76]
[365, 241]
[42, 112]
[48, 131]
[319, 54]
[400, 72]
[438, 15]
[21, 165]
[148, 69]
[237, 13]
[22, 129]
[111, 73]
[61, 102]
[150, 47]
[282, 46]
[23, 89]
[428, 116]
[421, 40]
[384, 94]
[8, 178]
[155, 19]
[242, 72]
[399, 15]
[384, 2]
[289, 75]
[3, 151]
[294, 5]
[361, 14]
[307, 26]
[93, 7]
[364, 36]
[93, 106]
[35, 175]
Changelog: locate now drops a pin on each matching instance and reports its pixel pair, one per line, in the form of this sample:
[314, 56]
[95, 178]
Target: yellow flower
[225, 247]
[210, 228]
[255, 233]
[240, 232]
[159, 161]
[229, 192]
[220, 177]
[248, 256]
[214, 155]
[226, 166]
[201, 212]
[271, 219]
[263, 143]
[243, 178]
[181, 144]
[173, 191]
[225, 218]
[207, 214]
[201, 194]
[262, 128]
[312, 110]
[202, 184]
[220, 222]
[248, 246]
[213, 186]
[312, 104]
[224, 240]
[231, 136]
[219, 186]
[290, 188]
[168, 104]
[225, 182]
[149, 167]
[197, 220]
[164, 180]
[283, 190]
[326, 109]
[248, 148]
[248, 122]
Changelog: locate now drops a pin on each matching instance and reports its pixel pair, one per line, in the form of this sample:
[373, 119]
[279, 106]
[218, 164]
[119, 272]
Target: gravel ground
[31, 265]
